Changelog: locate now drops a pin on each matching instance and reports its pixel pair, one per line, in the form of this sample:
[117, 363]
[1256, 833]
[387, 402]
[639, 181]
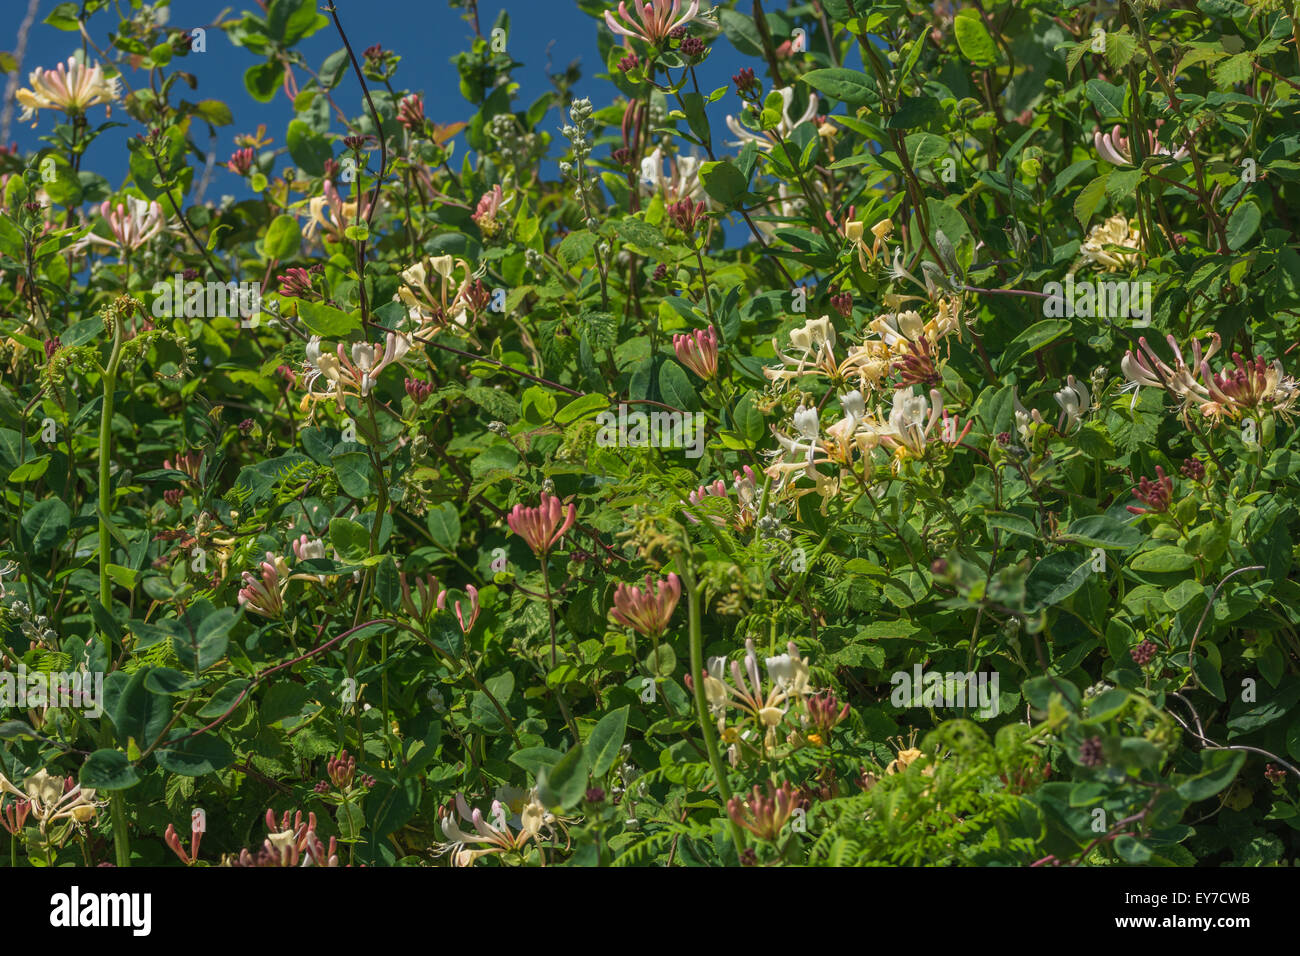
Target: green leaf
[1108, 98]
[1102, 531]
[723, 181]
[606, 739]
[1089, 198]
[1163, 559]
[741, 31]
[1218, 769]
[283, 238]
[263, 79]
[580, 408]
[973, 38]
[748, 419]
[444, 526]
[850, 87]
[1242, 225]
[108, 770]
[353, 469]
[564, 784]
[46, 525]
[676, 388]
[327, 321]
[139, 714]
[208, 644]
[924, 148]
[349, 539]
[195, 756]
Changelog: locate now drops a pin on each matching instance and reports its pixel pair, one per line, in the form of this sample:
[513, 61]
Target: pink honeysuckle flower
[1115, 148]
[265, 596]
[542, 527]
[410, 112]
[716, 490]
[647, 611]
[132, 224]
[698, 351]
[1157, 495]
[485, 214]
[658, 18]
[331, 214]
[460, 617]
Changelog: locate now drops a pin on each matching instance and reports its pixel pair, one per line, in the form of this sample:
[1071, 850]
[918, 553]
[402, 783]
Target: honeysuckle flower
[764, 814]
[472, 592]
[542, 527]
[410, 112]
[1114, 147]
[446, 307]
[265, 596]
[655, 19]
[289, 844]
[1074, 401]
[853, 231]
[189, 462]
[132, 223]
[332, 214]
[911, 422]
[494, 837]
[698, 351]
[745, 690]
[812, 349]
[784, 127]
[1157, 495]
[241, 161]
[716, 490]
[485, 214]
[72, 88]
[1098, 248]
[349, 375]
[682, 180]
[789, 670]
[1146, 368]
[824, 714]
[745, 484]
[427, 591]
[309, 549]
[51, 799]
[647, 611]
[1254, 385]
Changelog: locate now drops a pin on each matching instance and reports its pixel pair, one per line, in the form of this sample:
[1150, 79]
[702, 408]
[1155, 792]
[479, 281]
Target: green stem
[701, 702]
[117, 810]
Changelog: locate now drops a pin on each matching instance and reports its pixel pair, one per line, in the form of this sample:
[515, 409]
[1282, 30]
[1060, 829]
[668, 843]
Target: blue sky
[427, 33]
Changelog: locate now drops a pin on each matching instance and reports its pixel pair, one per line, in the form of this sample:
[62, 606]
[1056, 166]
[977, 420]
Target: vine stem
[701, 702]
[121, 836]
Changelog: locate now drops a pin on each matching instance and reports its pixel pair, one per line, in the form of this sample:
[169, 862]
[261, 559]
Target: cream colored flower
[72, 88]
[1117, 231]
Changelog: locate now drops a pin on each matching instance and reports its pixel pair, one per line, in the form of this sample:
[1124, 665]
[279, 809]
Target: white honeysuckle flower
[783, 128]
